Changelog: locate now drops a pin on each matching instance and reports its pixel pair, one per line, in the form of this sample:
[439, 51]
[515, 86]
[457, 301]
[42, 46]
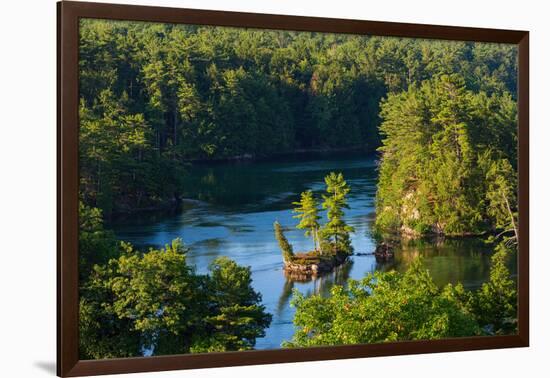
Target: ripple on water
[235, 216]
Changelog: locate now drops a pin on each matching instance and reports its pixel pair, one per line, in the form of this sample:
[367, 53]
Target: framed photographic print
[240, 188]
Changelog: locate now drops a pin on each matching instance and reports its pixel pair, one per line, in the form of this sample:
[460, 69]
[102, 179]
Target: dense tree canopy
[133, 303]
[383, 307]
[392, 306]
[448, 159]
[96, 244]
[155, 98]
[156, 95]
[155, 303]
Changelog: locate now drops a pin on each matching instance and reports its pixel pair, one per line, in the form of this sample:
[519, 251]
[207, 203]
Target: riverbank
[230, 212]
[163, 209]
[208, 182]
[249, 157]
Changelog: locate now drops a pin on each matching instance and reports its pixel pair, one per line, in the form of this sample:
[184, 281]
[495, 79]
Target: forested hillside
[434, 120]
[156, 96]
[449, 160]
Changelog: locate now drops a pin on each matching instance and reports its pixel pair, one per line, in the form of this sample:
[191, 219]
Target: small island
[331, 241]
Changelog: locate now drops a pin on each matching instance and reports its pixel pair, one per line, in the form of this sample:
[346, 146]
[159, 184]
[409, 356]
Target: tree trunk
[315, 237]
[511, 214]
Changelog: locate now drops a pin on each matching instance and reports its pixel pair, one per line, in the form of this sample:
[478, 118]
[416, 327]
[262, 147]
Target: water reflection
[230, 210]
[449, 260]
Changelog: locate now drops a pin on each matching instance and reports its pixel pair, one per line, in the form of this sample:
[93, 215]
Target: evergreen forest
[156, 100]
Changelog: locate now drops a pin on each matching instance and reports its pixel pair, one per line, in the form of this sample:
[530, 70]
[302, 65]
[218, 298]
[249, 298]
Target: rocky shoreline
[303, 267]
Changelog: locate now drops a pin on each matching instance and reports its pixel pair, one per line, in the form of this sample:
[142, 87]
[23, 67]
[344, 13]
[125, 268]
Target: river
[230, 210]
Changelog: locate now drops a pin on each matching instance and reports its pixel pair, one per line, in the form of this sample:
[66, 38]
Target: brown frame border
[68, 14]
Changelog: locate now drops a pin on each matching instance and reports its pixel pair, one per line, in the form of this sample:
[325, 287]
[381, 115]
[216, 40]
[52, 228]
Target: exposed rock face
[408, 232]
[409, 214]
[409, 209]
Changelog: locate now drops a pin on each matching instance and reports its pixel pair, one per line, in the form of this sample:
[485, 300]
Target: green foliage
[383, 307]
[441, 142]
[308, 258]
[95, 244]
[156, 95]
[392, 306]
[502, 198]
[284, 245]
[308, 214]
[155, 301]
[495, 304]
[336, 231]
[236, 318]
[118, 165]
[334, 236]
[102, 334]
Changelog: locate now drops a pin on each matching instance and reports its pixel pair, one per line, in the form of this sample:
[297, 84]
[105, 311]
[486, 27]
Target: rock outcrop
[306, 265]
[384, 251]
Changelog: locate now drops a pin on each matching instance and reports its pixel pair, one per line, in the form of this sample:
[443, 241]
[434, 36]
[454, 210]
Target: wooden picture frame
[69, 13]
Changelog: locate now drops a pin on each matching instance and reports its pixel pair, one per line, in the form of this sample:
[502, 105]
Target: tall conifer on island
[337, 230]
[286, 247]
[308, 213]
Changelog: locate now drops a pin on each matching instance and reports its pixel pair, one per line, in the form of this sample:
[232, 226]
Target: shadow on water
[449, 260]
[230, 209]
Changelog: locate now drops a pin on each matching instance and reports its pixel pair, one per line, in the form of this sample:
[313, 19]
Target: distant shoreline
[301, 151]
[169, 206]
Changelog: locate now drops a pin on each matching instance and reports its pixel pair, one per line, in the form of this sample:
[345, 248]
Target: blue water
[230, 210]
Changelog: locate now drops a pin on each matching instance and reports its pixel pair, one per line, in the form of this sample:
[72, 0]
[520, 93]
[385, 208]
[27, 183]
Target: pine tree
[440, 169]
[285, 246]
[337, 231]
[495, 303]
[308, 213]
[501, 195]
